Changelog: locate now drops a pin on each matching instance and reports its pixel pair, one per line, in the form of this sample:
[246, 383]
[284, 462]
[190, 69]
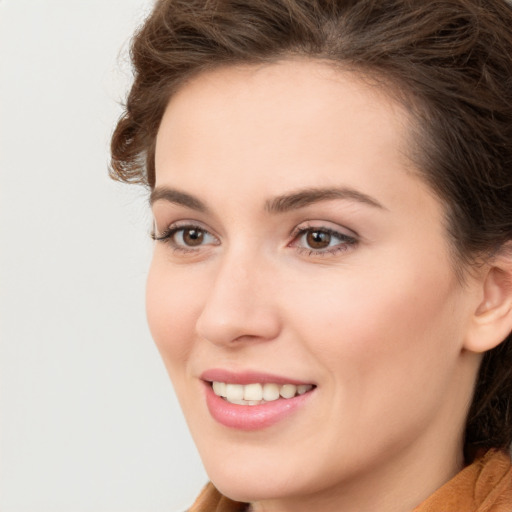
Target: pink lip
[247, 377]
[250, 417]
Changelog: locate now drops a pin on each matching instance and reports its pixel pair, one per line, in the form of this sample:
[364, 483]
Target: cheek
[381, 327]
[171, 309]
[386, 348]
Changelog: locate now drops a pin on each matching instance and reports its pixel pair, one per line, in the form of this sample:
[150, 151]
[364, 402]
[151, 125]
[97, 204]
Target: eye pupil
[193, 237]
[318, 239]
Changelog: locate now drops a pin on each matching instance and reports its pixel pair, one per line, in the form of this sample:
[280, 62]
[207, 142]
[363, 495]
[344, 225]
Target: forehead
[280, 92]
[289, 124]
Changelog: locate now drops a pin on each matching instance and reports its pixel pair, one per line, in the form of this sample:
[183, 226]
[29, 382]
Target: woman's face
[298, 247]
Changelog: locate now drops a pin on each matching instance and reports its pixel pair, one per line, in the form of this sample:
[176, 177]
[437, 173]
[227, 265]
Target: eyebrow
[177, 197]
[309, 196]
[279, 204]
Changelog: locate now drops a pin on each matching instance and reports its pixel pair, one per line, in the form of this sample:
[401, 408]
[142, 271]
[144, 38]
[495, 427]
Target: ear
[492, 320]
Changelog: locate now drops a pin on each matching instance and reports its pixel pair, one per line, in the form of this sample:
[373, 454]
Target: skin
[379, 324]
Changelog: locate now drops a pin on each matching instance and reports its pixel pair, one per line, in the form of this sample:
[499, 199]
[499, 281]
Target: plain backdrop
[88, 418]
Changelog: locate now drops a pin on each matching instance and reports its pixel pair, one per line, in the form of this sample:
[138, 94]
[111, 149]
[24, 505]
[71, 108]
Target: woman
[331, 287]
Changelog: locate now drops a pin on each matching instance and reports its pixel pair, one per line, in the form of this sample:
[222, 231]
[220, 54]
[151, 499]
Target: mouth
[258, 393]
[252, 401]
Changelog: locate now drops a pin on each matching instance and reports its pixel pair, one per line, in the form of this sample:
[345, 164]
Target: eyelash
[168, 235]
[346, 241]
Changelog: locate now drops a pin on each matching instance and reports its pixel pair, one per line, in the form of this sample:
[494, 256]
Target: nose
[240, 306]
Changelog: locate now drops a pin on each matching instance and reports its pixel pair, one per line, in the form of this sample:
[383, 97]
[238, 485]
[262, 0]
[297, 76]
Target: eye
[191, 237]
[318, 239]
[321, 240]
[186, 237]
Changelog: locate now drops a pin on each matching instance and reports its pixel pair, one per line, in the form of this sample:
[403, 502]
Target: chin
[253, 486]
[251, 475]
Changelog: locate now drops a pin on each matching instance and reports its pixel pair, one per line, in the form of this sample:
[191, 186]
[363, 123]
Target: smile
[251, 400]
[256, 393]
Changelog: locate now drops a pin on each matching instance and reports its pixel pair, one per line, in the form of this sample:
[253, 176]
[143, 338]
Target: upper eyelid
[345, 238]
[325, 225]
[330, 231]
[183, 224]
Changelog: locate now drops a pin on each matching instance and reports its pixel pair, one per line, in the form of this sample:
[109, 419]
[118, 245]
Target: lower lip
[252, 417]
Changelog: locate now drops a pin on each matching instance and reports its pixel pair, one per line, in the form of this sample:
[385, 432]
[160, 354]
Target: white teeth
[237, 402]
[253, 392]
[256, 394]
[234, 392]
[288, 390]
[270, 392]
[304, 388]
[219, 388]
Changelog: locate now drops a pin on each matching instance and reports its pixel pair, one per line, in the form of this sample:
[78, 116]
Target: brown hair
[450, 62]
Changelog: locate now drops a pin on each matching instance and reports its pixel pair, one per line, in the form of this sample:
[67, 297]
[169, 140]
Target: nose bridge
[239, 305]
[238, 267]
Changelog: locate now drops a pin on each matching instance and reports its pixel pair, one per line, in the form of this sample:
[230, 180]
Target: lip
[247, 377]
[251, 417]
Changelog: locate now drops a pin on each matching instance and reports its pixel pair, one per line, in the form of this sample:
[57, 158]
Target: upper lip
[247, 377]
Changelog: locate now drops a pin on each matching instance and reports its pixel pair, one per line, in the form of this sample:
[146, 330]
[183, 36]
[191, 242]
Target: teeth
[237, 402]
[288, 390]
[234, 392]
[303, 388]
[253, 392]
[219, 388]
[270, 392]
[256, 394]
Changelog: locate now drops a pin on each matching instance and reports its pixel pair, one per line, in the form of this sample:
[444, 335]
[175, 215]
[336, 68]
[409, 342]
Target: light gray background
[88, 418]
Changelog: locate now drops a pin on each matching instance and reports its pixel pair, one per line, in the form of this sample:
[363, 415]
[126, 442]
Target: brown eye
[192, 237]
[187, 238]
[322, 241]
[318, 239]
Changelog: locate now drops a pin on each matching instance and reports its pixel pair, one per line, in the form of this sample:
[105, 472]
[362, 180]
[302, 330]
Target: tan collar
[484, 486]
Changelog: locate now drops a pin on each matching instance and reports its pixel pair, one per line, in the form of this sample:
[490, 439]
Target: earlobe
[492, 319]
